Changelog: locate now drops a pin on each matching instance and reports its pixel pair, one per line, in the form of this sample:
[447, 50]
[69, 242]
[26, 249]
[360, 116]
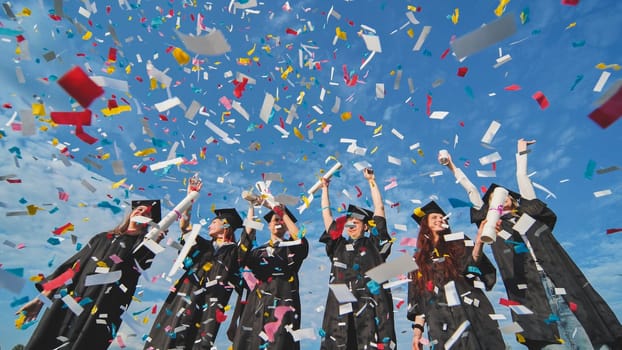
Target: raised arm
[524, 183]
[194, 184]
[292, 228]
[327, 214]
[376, 197]
[464, 181]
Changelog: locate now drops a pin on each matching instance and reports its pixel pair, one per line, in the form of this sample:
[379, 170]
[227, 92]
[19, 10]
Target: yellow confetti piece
[411, 33]
[501, 8]
[374, 150]
[38, 109]
[181, 56]
[207, 266]
[105, 156]
[420, 151]
[300, 97]
[251, 51]
[87, 35]
[36, 279]
[298, 134]
[523, 18]
[571, 25]
[346, 116]
[94, 310]
[145, 152]
[145, 320]
[102, 263]
[455, 16]
[117, 110]
[26, 12]
[153, 84]
[32, 209]
[341, 34]
[285, 73]
[291, 279]
[19, 322]
[244, 61]
[118, 183]
[305, 200]
[412, 8]
[111, 69]
[613, 66]
[378, 130]
[414, 161]
[520, 338]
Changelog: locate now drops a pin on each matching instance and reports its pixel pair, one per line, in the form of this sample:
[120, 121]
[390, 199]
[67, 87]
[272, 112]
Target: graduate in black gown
[533, 263]
[272, 307]
[84, 315]
[194, 310]
[369, 322]
[447, 290]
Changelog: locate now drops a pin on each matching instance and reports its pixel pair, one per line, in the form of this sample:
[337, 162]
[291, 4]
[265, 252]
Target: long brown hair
[452, 252]
[122, 227]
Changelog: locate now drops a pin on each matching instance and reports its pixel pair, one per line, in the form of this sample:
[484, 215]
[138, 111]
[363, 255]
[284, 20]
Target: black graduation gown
[443, 321]
[96, 326]
[518, 268]
[276, 269]
[371, 319]
[188, 318]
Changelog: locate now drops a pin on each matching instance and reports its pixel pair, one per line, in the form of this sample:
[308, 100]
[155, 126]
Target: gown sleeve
[413, 300]
[380, 237]
[81, 255]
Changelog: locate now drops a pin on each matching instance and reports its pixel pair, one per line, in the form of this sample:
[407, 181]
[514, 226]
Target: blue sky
[555, 51]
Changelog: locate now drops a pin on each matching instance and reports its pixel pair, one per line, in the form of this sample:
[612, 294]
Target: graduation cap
[430, 208]
[360, 213]
[268, 216]
[155, 210]
[491, 189]
[231, 216]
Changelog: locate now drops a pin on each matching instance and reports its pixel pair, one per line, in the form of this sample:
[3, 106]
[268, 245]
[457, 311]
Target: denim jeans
[571, 331]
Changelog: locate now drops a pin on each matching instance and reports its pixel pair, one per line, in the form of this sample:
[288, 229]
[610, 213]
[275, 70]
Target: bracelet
[324, 208]
[417, 326]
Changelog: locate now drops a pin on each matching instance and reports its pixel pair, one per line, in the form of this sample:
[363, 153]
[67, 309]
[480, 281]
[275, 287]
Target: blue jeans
[571, 331]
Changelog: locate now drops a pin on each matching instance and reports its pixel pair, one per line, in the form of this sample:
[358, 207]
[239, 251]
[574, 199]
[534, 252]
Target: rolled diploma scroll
[169, 219]
[190, 240]
[328, 175]
[318, 184]
[489, 232]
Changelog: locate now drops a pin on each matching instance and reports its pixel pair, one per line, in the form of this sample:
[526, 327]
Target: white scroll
[169, 219]
[318, 185]
[489, 232]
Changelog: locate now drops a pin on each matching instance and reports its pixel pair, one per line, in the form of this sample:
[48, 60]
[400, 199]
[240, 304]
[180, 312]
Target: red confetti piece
[112, 104]
[570, 2]
[608, 112]
[613, 230]
[399, 304]
[541, 99]
[60, 230]
[340, 223]
[72, 118]
[291, 31]
[14, 181]
[112, 54]
[61, 279]
[573, 306]
[507, 302]
[512, 87]
[462, 71]
[20, 38]
[220, 316]
[7, 106]
[428, 105]
[79, 86]
[239, 87]
[359, 193]
[84, 136]
[154, 309]
[445, 53]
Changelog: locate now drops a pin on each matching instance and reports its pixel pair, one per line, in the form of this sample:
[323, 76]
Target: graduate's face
[216, 228]
[508, 205]
[436, 222]
[277, 226]
[141, 210]
[355, 228]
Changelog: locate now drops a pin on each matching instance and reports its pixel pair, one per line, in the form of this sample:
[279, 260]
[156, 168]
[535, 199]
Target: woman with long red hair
[447, 290]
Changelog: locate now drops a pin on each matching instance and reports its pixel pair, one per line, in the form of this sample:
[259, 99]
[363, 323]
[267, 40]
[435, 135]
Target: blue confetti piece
[374, 288]
[20, 301]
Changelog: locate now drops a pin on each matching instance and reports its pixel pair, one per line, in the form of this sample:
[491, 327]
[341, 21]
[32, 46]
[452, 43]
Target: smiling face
[436, 222]
[355, 228]
[277, 226]
[216, 228]
[133, 226]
